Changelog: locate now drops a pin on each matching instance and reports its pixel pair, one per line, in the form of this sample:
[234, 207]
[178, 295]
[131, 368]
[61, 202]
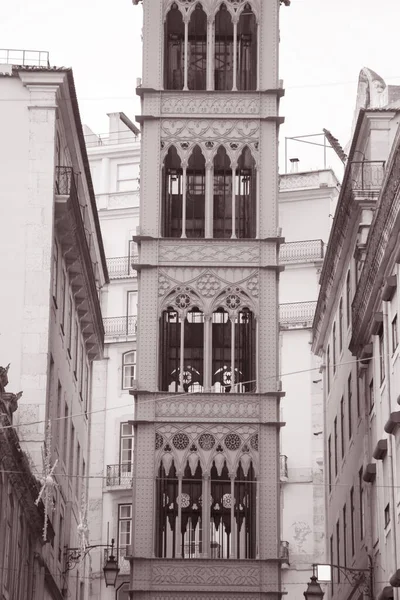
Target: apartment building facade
[355, 334]
[51, 327]
[114, 163]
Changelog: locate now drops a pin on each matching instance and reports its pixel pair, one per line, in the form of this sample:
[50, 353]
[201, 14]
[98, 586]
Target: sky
[324, 44]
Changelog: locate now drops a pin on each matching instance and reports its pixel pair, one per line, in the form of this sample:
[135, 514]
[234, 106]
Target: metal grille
[65, 181]
[121, 267]
[300, 251]
[296, 314]
[119, 475]
[367, 175]
[28, 58]
[120, 326]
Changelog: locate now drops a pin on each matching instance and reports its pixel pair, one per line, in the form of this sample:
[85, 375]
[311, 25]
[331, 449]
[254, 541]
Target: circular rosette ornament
[183, 500]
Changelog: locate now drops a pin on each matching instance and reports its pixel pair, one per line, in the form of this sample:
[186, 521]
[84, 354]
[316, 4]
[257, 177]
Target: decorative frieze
[217, 253]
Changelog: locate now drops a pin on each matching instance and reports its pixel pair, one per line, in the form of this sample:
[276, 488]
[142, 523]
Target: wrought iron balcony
[24, 58]
[120, 326]
[367, 175]
[301, 251]
[121, 267]
[284, 552]
[119, 475]
[284, 467]
[296, 315]
[120, 556]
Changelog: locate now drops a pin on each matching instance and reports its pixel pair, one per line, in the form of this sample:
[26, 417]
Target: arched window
[197, 49]
[223, 56]
[222, 211]
[174, 49]
[233, 343]
[128, 369]
[195, 195]
[245, 190]
[172, 195]
[182, 351]
[247, 50]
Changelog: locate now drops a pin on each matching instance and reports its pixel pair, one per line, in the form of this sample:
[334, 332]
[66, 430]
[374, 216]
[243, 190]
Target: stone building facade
[207, 396]
[52, 269]
[355, 332]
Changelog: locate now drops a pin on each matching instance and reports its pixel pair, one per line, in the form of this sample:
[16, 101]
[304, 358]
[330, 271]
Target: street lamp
[314, 590]
[362, 578]
[111, 568]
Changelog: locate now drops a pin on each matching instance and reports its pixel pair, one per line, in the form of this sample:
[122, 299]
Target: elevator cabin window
[223, 200]
[174, 49]
[172, 195]
[197, 49]
[246, 51]
[245, 192]
[195, 195]
[223, 58]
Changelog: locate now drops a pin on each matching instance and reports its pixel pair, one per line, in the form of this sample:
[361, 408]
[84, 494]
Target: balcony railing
[301, 251]
[284, 467]
[119, 475]
[24, 58]
[122, 562]
[121, 267]
[367, 175]
[120, 326]
[284, 552]
[296, 315]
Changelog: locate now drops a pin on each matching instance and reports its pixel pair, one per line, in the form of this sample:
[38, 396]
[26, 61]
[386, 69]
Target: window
[344, 536]
[328, 369]
[223, 50]
[194, 224]
[330, 462]
[128, 369]
[371, 397]
[361, 501]
[54, 283]
[77, 474]
[338, 548]
[187, 523]
[332, 559]
[387, 515]
[71, 453]
[224, 201]
[342, 425]
[335, 445]
[247, 51]
[62, 299]
[197, 50]
[124, 528]
[381, 355]
[245, 192]
[65, 425]
[76, 353]
[352, 509]
[126, 451]
[395, 340]
[340, 325]
[70, 326]
[132, 255]
[87, 386]
[334, 347]
[348, 299]
[58, 416]
[349, 406]
[61, 534]
[174, 50]
[127, 177]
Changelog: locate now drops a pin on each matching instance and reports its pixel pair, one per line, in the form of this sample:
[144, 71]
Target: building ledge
[393, 422]
[381, 449]
[369, 474]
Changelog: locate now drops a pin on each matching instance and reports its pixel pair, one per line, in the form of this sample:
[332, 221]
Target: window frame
[395, 339]
[126, 366]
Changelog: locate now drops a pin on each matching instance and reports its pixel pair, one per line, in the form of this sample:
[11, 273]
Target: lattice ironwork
[367, 175]
[120, 326]
[119, 475]
[121, 266]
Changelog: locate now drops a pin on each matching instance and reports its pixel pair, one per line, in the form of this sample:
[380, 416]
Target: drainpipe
[391, 444]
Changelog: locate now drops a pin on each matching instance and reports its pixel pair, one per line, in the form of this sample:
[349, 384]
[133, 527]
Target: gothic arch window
[245, 191]
[223, 199]
[246, 51]
[179, 513]
[195, 195]
[233, 348]
[197, 49]
[182, 350]
[172, 196]
[174, 49]
[223, 50]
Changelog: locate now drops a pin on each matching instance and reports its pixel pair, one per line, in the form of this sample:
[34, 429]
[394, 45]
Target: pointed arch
[247, 50]
[174, 47]
[246, 195]
[196, 194]
[197, 48]
[172, 194]
[223, 49]
[222, 196]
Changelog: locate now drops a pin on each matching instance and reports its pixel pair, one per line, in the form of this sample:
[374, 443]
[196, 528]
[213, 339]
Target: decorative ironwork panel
[120, 326]
[121, 267]
[119, 475]
[296, 315]
[304, 250]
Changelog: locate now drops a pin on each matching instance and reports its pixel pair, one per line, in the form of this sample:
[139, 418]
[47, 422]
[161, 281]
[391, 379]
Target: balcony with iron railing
[117, 327]
[119, 475]
[301, 251]
[121, 267]
[24, 58]
[367, 175]
[297, 315]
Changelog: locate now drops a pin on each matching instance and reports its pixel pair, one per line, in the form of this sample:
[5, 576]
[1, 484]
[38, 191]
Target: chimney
[294, 165]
